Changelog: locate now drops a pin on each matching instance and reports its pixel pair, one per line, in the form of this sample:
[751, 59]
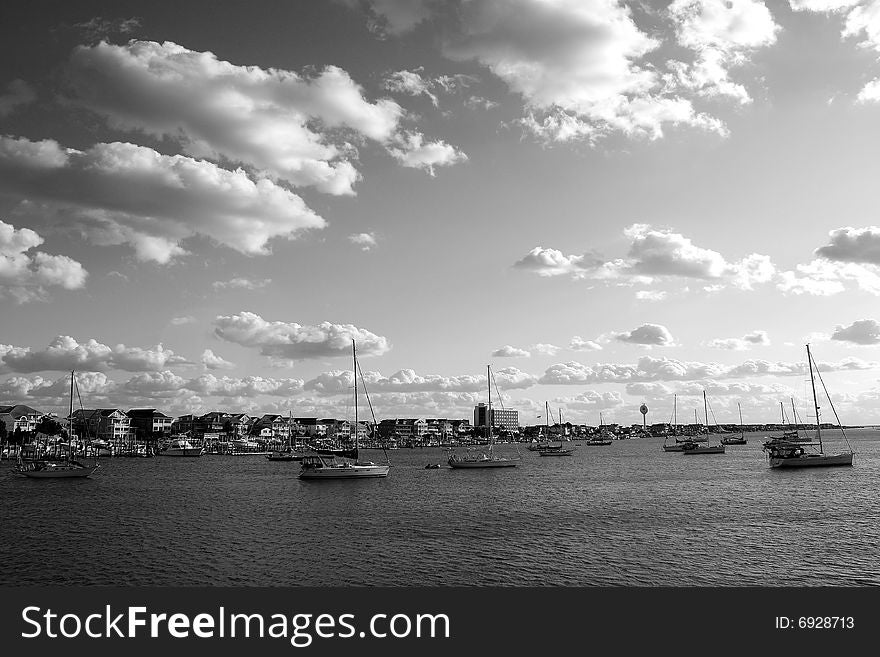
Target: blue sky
[612, 203]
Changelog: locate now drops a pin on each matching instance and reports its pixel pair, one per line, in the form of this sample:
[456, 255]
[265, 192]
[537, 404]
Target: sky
[610, 203]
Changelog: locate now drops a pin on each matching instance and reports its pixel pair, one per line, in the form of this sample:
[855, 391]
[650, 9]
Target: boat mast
[489, 409]
[741, 429]
[354, 373]
[815, 401]
[706, 409]
[70, 421]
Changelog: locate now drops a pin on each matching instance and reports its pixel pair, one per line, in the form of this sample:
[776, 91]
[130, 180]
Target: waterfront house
[149, 423]
[21, 417]
[110, 424]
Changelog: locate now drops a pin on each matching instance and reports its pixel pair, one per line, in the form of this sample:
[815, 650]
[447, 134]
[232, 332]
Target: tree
[49, 426]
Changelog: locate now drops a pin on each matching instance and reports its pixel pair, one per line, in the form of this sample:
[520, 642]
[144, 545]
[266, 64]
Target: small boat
[67, 467]
[553, 448]
[321, 466]
[741, 438]
[286, 453]
[181, 446]
[697, 448]
[485, 459]
[782, 453]
[432, 466]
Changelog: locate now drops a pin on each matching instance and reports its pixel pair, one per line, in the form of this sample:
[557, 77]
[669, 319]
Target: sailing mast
[354, 375]
[489, 409]
[70, 421]
[741, 429]
[706, 409]
[815, 401]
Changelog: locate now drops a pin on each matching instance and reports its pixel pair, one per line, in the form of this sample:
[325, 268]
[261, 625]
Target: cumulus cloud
[18, 94]
[287, 340]
[212, 361]
[338, 382]
[722, 34]
[128, 194]
[365, 240]
[25, 274]
[574, 62]
[181, 321]
[242, 284]
[654, 254]
[411, 83]
[508, 351]
[862, 331]
[647, 335]
[412, 151]
[546, 349]
[857, 245]
[651, 295]
[264, 118]
[65, 353]
[648, 369]
[740, 344]
[591, 400]
[301, 128]
[579, 344]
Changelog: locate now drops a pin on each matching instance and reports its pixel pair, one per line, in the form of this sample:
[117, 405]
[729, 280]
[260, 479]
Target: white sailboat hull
[346, 471]
[811, 460]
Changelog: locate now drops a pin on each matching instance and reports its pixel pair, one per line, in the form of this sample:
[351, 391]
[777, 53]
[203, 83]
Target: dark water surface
[624, 514]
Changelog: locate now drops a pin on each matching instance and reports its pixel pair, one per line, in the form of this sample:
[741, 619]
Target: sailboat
[737, 440]
[553, 449]
[286, 454]
[678, 445]
[66, 467]
[603, 437]
[342, 467]
[784, 453]
[487, 458]
[695, 448]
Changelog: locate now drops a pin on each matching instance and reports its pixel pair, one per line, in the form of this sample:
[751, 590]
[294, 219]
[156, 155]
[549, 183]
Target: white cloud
[649, 369]
[722, 34]
[545, 349]
[24, 274]
[365, 240]
[65, 353]
[411, 83]
[579, 344]
[266, 118]
[128, 194]
[18, 94]
[338, 382]
[242, 284]
[862, 331]
[591, 400]
[411, 150]
[822, 5]
[288, 340]
[654, 254]
[181, 321]
[508, 351]
[865, 19]
[741, 344]
[647, 335]
[578, 65]
[651, 295]
[212, 361]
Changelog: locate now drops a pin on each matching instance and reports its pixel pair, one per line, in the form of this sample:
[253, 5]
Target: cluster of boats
[791, 450]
